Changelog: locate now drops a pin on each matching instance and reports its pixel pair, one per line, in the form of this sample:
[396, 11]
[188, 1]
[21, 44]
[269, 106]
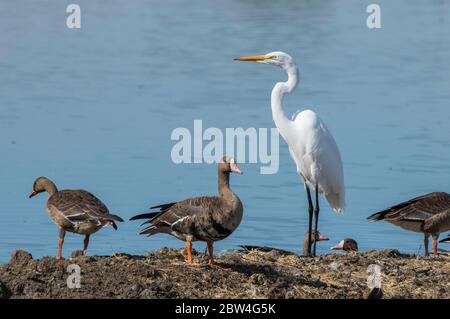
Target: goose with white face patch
[347, 244]
[206, 218]
[76, 211]
[311, 145]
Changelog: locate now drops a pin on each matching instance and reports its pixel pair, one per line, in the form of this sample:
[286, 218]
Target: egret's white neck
[279, 90]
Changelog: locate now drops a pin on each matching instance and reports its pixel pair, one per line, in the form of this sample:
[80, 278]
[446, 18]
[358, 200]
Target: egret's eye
[273, 57]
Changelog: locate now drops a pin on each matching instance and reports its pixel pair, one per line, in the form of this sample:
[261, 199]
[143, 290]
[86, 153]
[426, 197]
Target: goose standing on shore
[428, 214]
[311, 145]
[76, 211]
[207, 218]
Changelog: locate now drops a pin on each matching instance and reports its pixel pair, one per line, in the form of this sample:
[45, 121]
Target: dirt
[238, 274]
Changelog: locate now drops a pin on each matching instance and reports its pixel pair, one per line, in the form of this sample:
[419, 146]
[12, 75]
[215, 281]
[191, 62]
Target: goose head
[315, 237]
[347, 244]
[228, 165]
[42, 184]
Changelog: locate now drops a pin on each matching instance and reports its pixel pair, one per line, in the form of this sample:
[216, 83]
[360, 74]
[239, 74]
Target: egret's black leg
[316, 213]
[310, 211]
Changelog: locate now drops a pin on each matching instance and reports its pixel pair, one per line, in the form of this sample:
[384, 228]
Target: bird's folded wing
[420, 208]
[172, 215]
[72, 203]
[82, 217]
[185, 209]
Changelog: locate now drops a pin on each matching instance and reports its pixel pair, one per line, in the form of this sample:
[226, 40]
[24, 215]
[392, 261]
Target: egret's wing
[317, 156]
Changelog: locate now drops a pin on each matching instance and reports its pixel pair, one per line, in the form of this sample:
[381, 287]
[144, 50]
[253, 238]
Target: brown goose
[208, 218]
[428, 214]
[76, 211]
[347, 244]
[265, 249]
[315, 237]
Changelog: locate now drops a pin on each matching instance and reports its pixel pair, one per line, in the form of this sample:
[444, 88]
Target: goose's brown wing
[417, 209]
[80, 205]
[172, 214]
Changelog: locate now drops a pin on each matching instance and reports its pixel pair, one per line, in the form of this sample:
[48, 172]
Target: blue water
[94, 108]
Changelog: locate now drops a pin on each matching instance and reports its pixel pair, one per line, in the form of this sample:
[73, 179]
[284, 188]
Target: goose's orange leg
[62, 233]
[211, 253]
[190, 260]
[60, 244]
[435, 253]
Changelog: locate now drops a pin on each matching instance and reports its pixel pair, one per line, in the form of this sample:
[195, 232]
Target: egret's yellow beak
[253, 58]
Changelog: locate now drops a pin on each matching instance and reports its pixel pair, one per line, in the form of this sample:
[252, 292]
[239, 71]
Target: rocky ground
[239, 274]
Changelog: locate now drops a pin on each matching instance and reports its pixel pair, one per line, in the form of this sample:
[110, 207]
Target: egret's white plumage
[311, 144]
[315, 152]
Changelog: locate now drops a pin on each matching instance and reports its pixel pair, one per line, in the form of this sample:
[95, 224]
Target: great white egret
[311, 144]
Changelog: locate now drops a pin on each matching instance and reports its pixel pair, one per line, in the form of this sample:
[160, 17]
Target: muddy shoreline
[239, 274]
